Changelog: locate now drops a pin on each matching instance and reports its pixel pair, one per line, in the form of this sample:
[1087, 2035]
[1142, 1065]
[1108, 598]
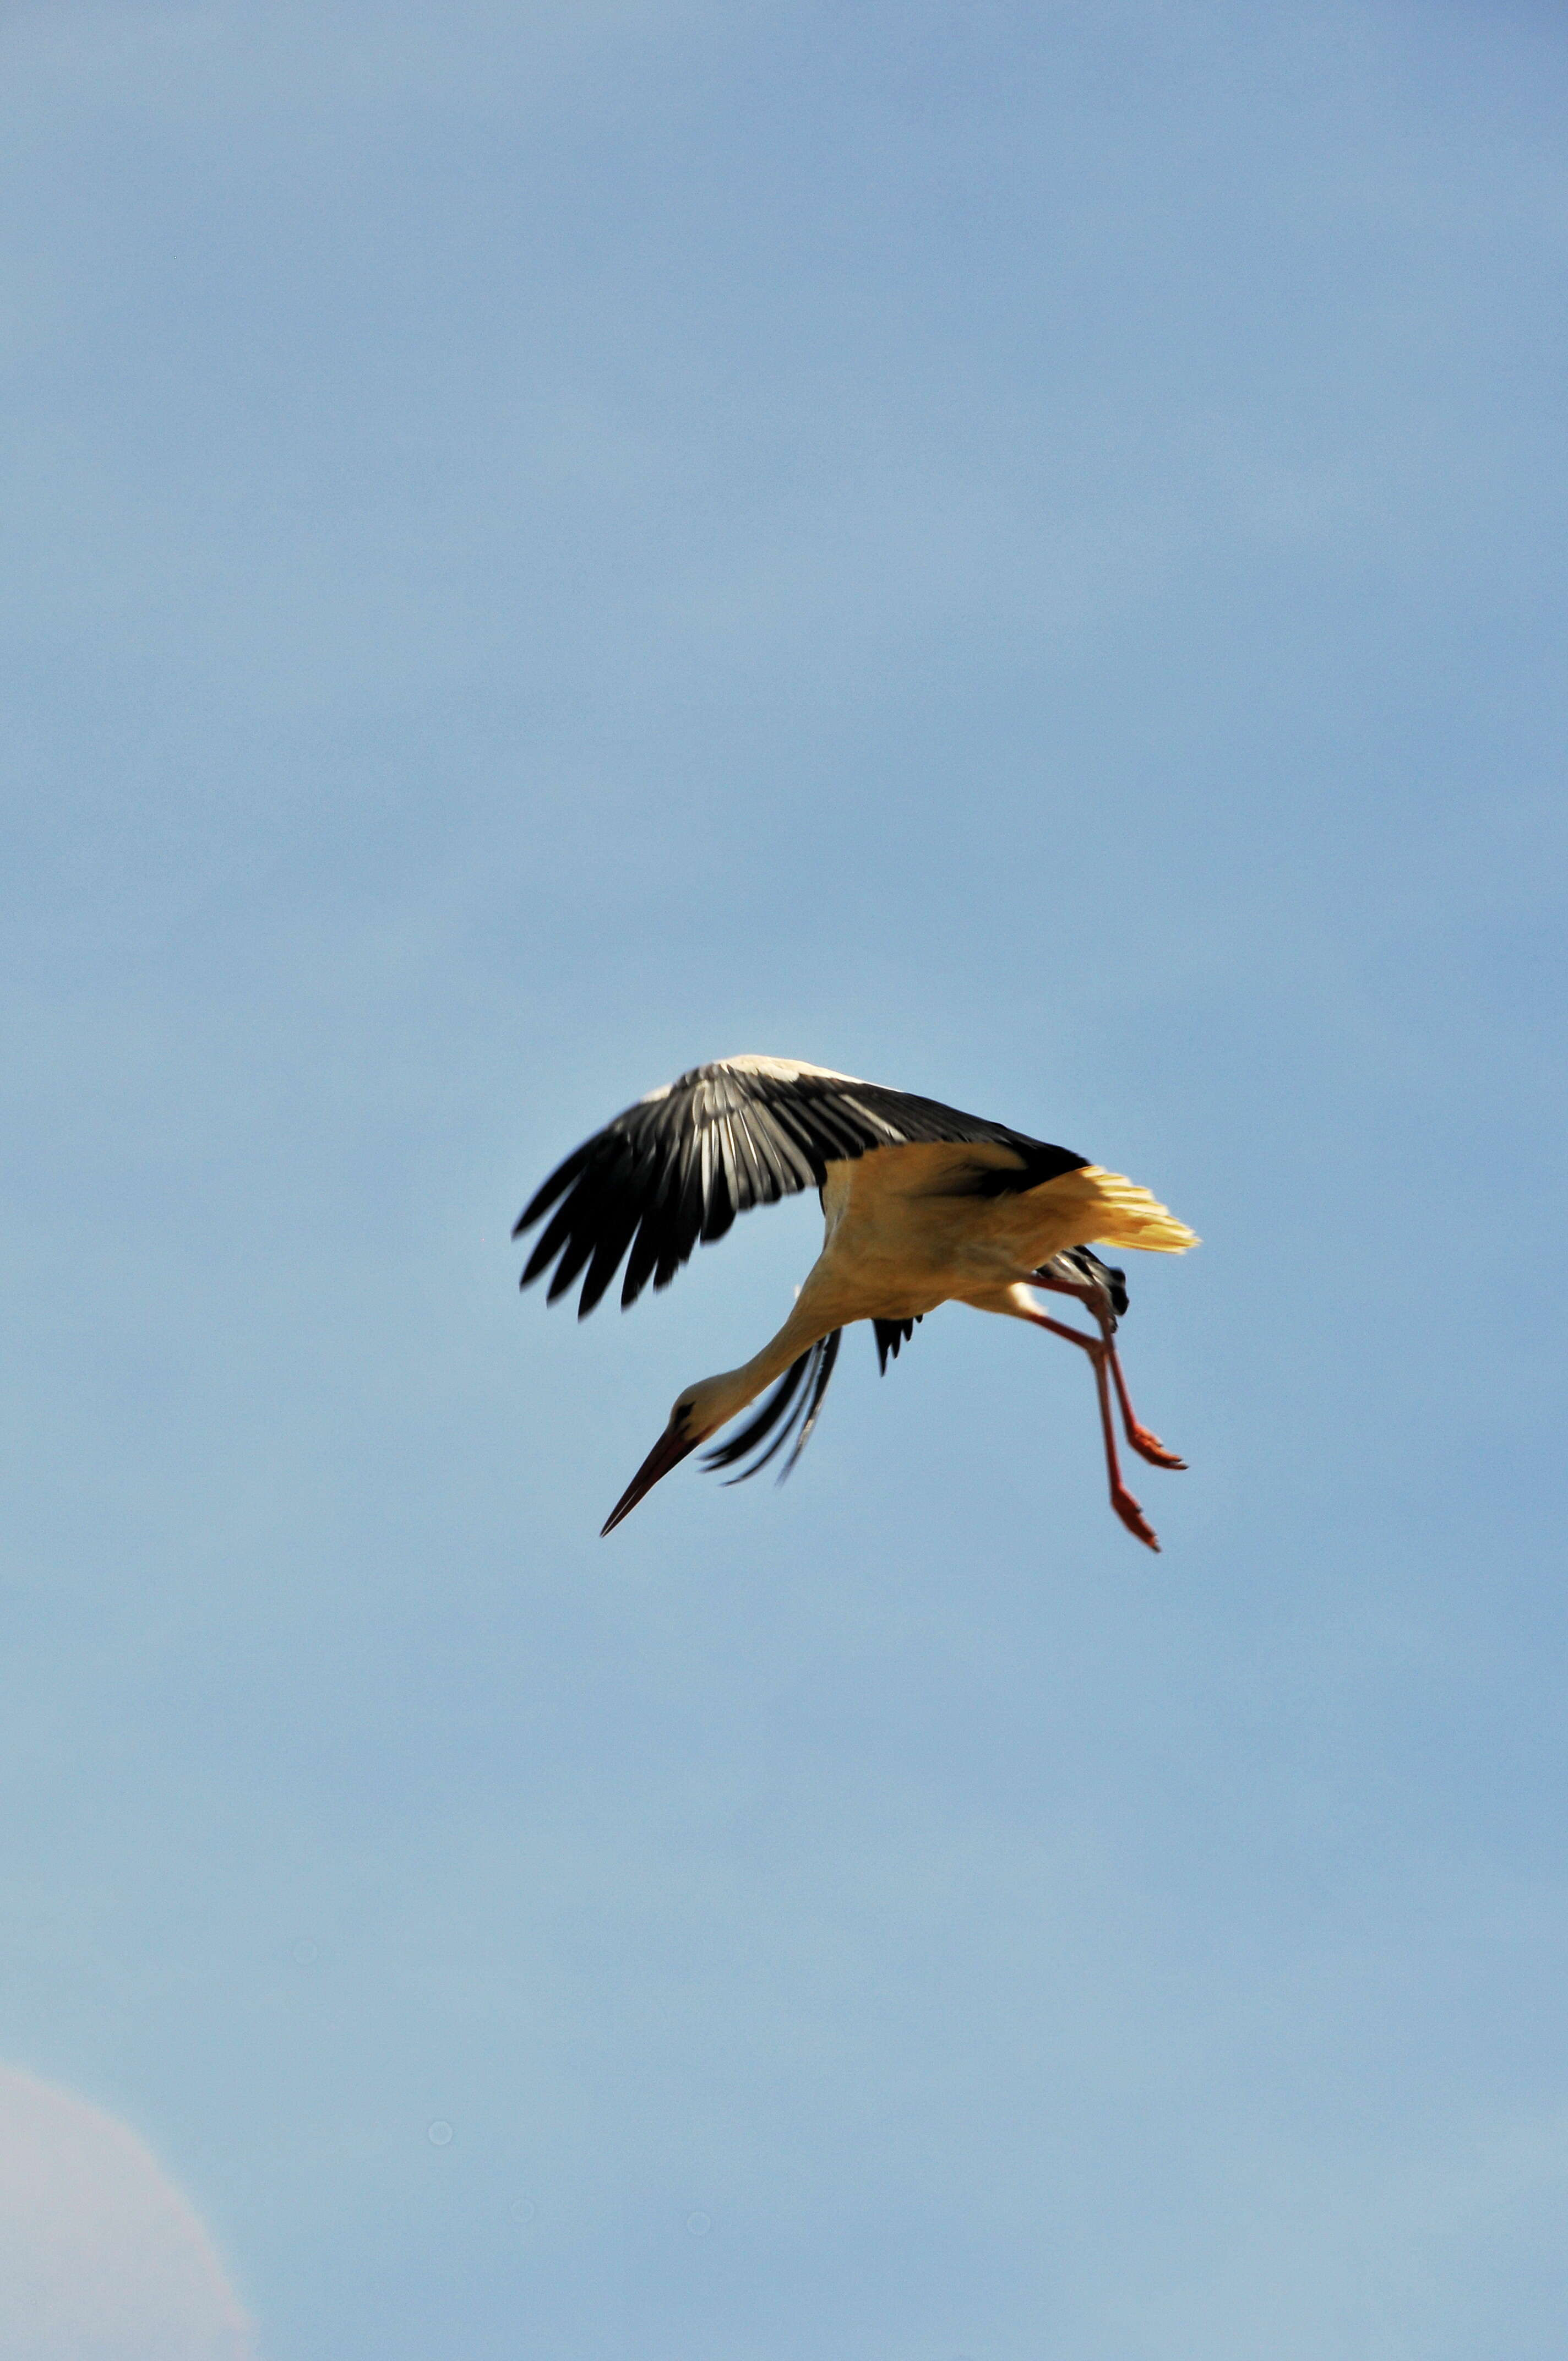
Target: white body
[904, 1233]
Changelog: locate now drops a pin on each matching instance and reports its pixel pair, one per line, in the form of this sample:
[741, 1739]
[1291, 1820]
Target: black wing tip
[826, 1352]
[544, 1196]
[775, 1404]
[788, 1406]
[891, 1335]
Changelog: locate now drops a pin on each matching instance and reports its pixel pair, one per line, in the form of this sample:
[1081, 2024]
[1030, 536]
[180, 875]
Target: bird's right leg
[1140, 1438]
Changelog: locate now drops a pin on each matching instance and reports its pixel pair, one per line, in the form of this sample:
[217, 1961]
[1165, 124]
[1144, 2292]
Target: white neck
[719, 1400]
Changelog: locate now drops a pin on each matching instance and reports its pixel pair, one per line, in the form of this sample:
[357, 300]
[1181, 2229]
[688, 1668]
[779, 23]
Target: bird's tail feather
[1122, 1213]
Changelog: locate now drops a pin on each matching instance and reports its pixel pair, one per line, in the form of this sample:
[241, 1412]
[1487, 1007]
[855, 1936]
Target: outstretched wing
[684, 1160]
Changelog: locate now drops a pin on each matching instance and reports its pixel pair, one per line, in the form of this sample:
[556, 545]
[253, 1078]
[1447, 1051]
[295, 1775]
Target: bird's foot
[1149, 1446]
[1133, 1517]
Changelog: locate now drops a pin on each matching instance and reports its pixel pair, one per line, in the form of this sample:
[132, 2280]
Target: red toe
[1149, 1446]
[1133, 1517]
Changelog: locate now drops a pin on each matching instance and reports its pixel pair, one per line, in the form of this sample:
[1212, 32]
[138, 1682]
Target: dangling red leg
[1140, 1438]
[1099, 1350]
[1146, 1443]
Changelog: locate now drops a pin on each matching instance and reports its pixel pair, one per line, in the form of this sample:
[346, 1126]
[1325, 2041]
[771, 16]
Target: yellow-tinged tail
[1124, 1215]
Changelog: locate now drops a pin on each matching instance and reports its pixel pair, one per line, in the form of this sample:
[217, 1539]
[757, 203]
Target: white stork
[922, 1206]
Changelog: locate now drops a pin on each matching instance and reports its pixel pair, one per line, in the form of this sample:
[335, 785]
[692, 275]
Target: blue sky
[1015, 550]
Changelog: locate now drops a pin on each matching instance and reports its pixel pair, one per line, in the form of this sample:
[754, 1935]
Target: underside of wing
[680, 1164]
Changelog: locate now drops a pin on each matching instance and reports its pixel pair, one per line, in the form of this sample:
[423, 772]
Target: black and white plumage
[922, 1205]
[685, 1159]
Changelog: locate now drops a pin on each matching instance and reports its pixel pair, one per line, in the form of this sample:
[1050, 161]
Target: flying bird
[922, 1205]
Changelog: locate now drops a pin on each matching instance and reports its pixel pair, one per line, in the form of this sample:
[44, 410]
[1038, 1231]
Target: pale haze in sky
[1015, 550]
[101, 2258]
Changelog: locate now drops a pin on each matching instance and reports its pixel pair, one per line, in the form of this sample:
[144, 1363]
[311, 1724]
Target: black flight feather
[890, 1335]
[680, 1164]
[787, 1407]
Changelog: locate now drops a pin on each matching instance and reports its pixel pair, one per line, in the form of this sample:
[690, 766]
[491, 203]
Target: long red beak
[667, 1453]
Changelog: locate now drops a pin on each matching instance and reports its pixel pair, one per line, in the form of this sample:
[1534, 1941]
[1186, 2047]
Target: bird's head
[698, 1412]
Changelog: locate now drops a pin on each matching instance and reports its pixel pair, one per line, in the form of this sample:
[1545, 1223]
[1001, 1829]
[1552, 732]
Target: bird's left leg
[1140, 1438]
[1098, 1351]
